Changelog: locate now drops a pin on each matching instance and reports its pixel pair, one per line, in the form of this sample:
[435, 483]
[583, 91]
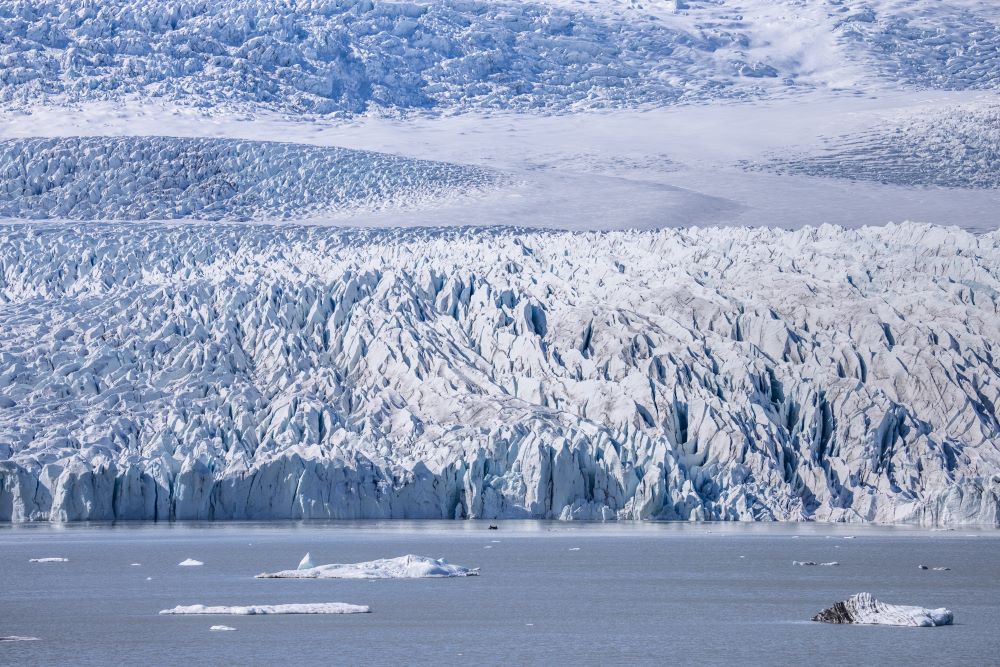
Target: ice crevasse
[266, 372]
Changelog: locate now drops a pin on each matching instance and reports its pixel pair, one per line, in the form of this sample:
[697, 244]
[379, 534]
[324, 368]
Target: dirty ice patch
[404, 567]
[169, 178]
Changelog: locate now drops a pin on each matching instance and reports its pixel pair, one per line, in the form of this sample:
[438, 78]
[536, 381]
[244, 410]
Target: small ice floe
[149, 578]
[221, 628]
[488, 546]
[936, 569]
[135, 564]
[189, 562]
[254, 610]
[404, 567]
[574, 548]
[18, 638]
[306, 562]
[48, 560]
[832, 563]
[848, 537]
[863, 609]
[495, 541]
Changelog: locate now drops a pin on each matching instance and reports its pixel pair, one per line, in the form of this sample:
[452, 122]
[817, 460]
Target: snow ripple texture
[956, 148]
[353, 56]
[863, 609]
[237, 372]
[139, 178]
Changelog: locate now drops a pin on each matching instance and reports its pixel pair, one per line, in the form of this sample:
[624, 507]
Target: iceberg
[48, 560]
[404, 567]
[221, 628]
[189, 562]
[18, 638]
[306, 563]
[864, 609]
[255, 610]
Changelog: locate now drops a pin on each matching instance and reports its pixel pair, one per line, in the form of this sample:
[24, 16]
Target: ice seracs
[292, 372]
[254, 610]
[863, 609]
[404, 567]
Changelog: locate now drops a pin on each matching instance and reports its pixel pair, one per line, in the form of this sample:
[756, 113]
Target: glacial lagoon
[548, 593]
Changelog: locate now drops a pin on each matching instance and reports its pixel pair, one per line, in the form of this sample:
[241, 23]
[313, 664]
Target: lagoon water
[549, 593]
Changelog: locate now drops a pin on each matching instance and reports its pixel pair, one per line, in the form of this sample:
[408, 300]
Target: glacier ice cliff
[240, 371]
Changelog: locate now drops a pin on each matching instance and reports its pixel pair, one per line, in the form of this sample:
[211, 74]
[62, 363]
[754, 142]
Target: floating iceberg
[189, 562]
[404, 567]
[812, 562]
[306, 563]
[17, 638]
[48, 560]
[221, 628]
[863, 609]
[254, 610]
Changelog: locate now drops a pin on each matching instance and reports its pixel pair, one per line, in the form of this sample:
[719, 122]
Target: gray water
[630, 594]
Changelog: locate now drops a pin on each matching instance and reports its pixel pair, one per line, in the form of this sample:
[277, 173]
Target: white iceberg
[48, 560]
[18, 638]
[254, 610]
[831, 563]
[189, 562]
[221, 628]
[404, 567]
[306, 563]
[864, 609]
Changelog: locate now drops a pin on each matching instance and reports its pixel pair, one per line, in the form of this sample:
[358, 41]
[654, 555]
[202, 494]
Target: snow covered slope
[138, 178]
[237, 371]
[956, 147]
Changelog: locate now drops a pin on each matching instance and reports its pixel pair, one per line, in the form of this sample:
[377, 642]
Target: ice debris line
[265, 372]
[863, 609]
[404, 567]
[166, 178]
[254, 610]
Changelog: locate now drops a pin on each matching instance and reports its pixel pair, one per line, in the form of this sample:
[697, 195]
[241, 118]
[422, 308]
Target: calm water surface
[548, 594]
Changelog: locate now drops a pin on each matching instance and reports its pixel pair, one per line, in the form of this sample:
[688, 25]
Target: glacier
[166, 178]
[187, 371]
